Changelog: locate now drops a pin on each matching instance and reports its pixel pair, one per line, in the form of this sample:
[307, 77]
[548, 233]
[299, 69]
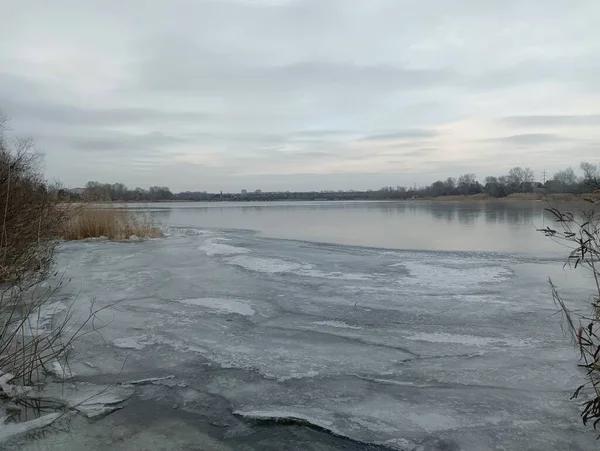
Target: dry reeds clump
[111, 223]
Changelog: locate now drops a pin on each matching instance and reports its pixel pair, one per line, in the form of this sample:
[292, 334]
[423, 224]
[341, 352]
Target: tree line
[96, 192]
[517, 180]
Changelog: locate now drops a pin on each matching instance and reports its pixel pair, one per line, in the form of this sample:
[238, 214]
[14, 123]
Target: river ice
[405, 349]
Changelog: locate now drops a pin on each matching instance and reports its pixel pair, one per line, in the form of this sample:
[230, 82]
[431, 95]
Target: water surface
[415, 225]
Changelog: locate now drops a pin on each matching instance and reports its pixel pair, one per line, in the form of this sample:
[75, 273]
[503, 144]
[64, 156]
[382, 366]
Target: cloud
[216, 94]
[313, 76]
[122, 142]
[419, 153]
[552, 120]
[99, 117]
[529, 139]
[403, 134]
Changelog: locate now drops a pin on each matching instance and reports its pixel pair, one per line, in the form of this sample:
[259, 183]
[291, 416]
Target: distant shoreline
[474, 198]
[518, 197]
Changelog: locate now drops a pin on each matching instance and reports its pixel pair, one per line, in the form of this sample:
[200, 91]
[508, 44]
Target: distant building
[244, 192]
[258, 191]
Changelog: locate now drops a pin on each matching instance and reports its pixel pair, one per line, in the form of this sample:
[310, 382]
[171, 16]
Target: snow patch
[432, 421]
[141, 341]
[149, 380]
[221, 305]
[452, 276]
[62, 372]
[314, 417]
[266, 265]
[277, 266]
[91, 400]
[334, 275]
[10, 430]
[137, 343]
[12, 390]
[40, 320]
[187, 231]
[469, 340]
[296, 375]
[339, 324]
[213, 246]
[283, 416]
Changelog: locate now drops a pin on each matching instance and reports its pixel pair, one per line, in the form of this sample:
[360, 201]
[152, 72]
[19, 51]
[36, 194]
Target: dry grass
[458, 197]
[114, 224]
[554, 197]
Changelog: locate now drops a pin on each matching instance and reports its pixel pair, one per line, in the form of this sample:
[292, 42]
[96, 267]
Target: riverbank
[516, 197]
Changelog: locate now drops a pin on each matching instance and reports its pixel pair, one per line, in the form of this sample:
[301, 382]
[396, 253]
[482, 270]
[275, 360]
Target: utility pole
[544, 174]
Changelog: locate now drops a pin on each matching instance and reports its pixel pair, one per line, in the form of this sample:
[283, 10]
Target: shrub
[33, 340]
[30, 217]
[30, 213]
[582, 234]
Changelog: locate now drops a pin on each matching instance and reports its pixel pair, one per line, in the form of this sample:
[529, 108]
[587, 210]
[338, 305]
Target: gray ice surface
[405, 349]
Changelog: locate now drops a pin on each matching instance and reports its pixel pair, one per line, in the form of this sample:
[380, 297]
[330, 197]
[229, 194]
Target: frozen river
[381, 327]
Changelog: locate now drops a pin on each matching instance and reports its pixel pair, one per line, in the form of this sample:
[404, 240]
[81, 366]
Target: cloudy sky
[301, 94]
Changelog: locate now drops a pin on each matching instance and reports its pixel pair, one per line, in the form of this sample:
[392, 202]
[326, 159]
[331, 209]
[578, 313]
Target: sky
[210, 95]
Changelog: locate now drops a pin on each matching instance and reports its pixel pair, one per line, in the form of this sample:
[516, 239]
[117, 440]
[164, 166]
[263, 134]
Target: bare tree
[520, 178]
[566, 179]
[467, 184]
[590, 171]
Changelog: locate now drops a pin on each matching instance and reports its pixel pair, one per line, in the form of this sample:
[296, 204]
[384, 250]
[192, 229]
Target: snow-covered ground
[405, 349]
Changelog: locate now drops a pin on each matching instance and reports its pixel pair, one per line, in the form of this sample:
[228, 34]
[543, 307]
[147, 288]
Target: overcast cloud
[301, 94]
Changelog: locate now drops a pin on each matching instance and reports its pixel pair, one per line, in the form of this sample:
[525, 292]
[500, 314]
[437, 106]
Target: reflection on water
[482, 226]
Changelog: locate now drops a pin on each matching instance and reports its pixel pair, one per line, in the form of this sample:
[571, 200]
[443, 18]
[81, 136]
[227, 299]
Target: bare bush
[581, 233]
[30, 214]
[31, 217]
[32, 344]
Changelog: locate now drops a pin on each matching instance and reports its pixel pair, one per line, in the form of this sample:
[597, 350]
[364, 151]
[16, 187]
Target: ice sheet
[221, 305]
[420, 347]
